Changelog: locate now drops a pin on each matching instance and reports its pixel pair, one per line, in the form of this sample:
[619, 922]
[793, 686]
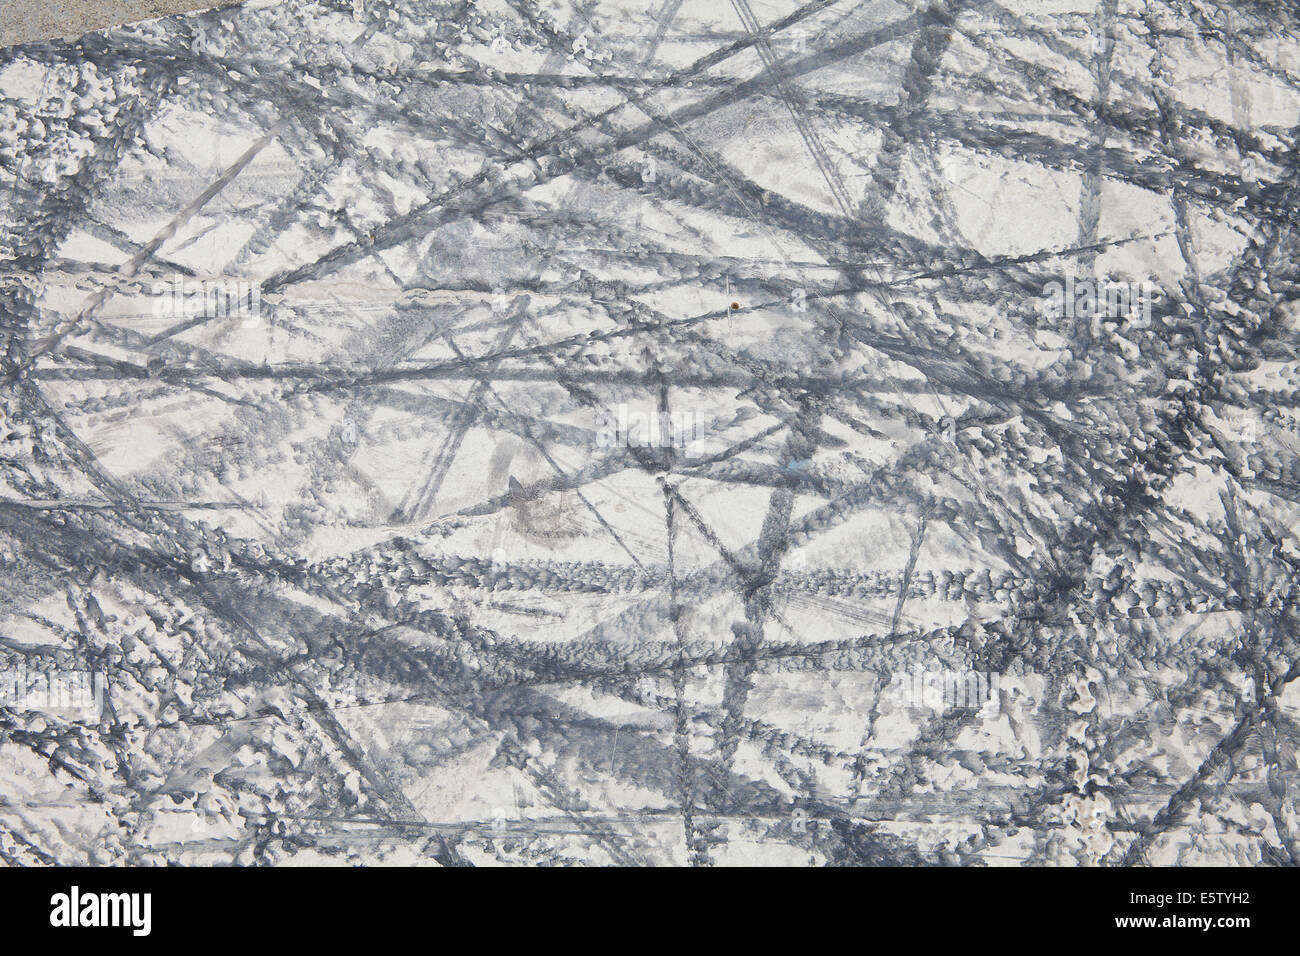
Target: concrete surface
[24, 20]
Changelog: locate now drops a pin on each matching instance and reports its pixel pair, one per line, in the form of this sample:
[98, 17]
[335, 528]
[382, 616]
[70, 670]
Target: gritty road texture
[22, 21]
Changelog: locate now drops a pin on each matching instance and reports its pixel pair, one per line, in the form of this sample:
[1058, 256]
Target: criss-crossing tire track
[640, 401]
